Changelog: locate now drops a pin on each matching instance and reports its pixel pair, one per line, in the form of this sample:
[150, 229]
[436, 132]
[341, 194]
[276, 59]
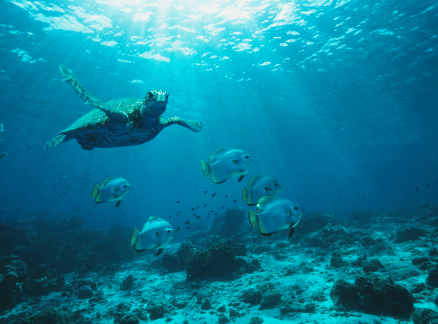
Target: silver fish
[155, 234]
[275, 214]
[225, 164]
[258, 187]
[112, 189]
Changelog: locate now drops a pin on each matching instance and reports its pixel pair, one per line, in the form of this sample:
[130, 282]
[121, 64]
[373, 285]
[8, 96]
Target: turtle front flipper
[58, 139]
[194, 125]
[74, 83]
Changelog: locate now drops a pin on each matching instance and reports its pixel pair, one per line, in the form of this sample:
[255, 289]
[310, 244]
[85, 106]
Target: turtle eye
[150, 95]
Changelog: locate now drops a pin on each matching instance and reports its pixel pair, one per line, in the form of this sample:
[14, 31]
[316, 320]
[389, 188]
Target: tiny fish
[112, 189]
[177, 229]
[226, 196]
[205, 191]
[234, 201]
[205, 205]
[3, 156]
[177, 201]
[197, 217]
[187, 222]
[225, 164]
[193, 209]
[188, 228]
[213, 195]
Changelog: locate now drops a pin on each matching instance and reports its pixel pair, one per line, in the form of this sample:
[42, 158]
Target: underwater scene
[218, 161]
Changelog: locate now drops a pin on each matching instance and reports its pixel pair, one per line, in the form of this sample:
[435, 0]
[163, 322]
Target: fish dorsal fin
[214, 156]
[148, 223]
[107, 180]
[266, 200]
[254, 179]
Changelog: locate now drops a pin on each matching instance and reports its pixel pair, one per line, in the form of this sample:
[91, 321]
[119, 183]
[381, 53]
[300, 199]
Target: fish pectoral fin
[267, 189]
[291, 231]
[236, 161]
[157, 234]
[240, 178]
[267, 234]
[159, 252]
[252, 218]
[118, 203]
[134, 236]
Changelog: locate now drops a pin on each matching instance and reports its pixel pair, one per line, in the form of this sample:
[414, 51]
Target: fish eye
[125, 186]
[276, 185]
[168, 231]
[296, 208]
[247, 156]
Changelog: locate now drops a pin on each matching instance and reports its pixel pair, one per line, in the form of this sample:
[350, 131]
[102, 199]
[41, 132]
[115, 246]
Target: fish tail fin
[95, 191]
[253, 219]
[134, 237]
[245, 194]
[206, 168]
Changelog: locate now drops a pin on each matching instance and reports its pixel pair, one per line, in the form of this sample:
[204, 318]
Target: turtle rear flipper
[58, 139]
[74, 83]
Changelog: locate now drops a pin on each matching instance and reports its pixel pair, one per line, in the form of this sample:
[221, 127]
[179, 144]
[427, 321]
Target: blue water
[336, 100]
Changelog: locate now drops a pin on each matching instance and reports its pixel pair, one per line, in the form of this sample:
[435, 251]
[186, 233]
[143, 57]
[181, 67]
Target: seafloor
[374, 267]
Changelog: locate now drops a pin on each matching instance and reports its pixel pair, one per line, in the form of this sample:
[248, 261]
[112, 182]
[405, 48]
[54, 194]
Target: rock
[156, 308]
[84, 292]
[372, 265]
[424, 316]
[234, 313]
[270, 299]
[206, 305]
[252, 296]
[261, 249]
[129, 318]
[223, 319]
[433, 251]
[8, 289]
[256, 320]
[296, 308]
[432, 278]
[121, 310]
[418, 261]
[418, 288]
[411, 233]
[344, 295]
[337, 262]
[381, 295]
[435, 297]
[127, 283]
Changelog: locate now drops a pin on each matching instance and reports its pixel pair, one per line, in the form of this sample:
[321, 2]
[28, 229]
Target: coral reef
[220, 260]
[177, 261]
[373, 294]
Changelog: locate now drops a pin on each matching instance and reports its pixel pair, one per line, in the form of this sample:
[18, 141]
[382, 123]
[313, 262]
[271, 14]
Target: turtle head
[155, 102]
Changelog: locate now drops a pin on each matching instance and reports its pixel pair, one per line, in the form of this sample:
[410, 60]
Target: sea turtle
[119, 122]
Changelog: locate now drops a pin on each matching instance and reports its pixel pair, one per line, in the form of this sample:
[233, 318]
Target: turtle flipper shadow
[194, 125]
[74, 83]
